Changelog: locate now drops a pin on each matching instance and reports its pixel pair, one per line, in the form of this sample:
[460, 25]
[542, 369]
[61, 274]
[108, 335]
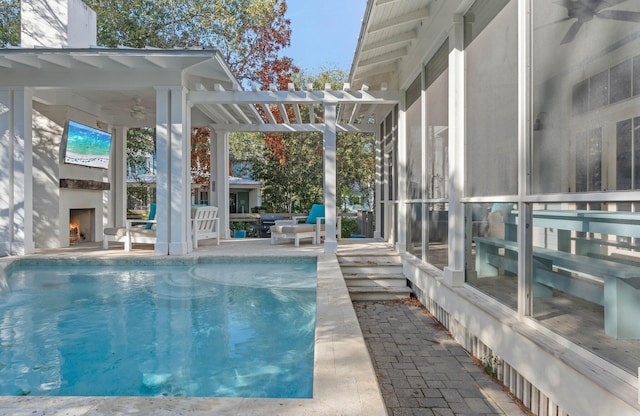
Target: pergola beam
[293, 128]
[270, 116]
[297, 97]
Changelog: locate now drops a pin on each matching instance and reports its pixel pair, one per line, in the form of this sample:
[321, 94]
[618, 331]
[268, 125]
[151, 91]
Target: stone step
[374, 275]
[372, 269]
[384, 280]
[369, 260]
[379, 293]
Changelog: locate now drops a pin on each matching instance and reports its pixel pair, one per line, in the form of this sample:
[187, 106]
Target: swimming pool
[217, 327]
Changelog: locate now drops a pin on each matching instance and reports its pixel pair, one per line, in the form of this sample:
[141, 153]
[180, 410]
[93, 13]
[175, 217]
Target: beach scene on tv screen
[87, 146]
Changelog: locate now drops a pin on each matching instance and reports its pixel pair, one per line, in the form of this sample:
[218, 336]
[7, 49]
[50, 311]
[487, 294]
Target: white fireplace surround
[80, 199]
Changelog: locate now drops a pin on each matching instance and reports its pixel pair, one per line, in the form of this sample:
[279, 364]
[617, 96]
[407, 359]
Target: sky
[324, 33]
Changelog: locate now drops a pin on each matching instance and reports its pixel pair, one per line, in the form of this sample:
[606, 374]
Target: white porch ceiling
[390, 28]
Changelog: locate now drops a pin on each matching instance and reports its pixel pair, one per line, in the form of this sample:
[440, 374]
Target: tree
[140, 145]
[291, 169]
[249, 33]
[355, 156]
[9, 22]
[200, 155]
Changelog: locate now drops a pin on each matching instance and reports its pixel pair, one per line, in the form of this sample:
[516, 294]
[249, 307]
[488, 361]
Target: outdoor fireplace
[81, 225]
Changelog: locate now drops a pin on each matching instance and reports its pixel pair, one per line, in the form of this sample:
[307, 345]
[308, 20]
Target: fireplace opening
[81, 225]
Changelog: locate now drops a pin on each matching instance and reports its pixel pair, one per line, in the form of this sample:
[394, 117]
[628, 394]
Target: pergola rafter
[246, 104]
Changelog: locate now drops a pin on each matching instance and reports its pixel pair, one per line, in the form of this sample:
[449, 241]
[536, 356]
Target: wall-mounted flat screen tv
[87, 146]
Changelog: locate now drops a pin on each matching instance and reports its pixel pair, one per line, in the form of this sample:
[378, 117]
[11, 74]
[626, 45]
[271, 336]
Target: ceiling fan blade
[620, 15]
[605, 4]
[572, 32]
[555, 22]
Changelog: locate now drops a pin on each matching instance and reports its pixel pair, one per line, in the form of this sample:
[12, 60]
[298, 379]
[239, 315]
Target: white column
[379, 198]
[330, 186]
[186, 242]
[401, 171]
[117, 214]
[220, 179]
[163, 171]
[454, 273]
[6, 173]
[180, 231]
[173, 184]
[16, 183]
[525, 244]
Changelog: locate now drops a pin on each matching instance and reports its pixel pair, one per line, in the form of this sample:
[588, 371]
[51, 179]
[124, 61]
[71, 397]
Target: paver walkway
[421, 369]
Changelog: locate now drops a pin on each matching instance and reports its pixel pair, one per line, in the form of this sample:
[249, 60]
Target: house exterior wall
[536, 123]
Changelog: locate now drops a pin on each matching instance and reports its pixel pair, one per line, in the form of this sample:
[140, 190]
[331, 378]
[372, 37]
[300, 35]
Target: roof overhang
[105, 81]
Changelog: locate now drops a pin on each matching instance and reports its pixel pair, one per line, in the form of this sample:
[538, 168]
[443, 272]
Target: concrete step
[374, 275]
[378, 293]
[371, 269]
[369, 260]
[367, 280]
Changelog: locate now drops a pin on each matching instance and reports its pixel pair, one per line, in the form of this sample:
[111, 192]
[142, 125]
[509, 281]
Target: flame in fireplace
[74, 232]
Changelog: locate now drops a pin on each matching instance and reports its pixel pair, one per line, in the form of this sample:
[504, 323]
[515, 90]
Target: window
[492, 99]
[628, 154]
[589, 161]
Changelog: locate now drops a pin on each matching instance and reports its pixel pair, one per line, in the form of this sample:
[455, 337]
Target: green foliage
[138, 195]
[239, 226]
[249, 33]
[9, 22]
[355, 156]
[140, 143]
[490, 364]
[334, 76]
[292, 173]
[349, 226]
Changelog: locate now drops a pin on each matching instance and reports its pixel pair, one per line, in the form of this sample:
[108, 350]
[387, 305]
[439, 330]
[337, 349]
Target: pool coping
[345, 382]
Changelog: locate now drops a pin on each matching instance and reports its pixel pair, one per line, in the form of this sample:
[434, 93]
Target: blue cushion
[317, 210]
[152, 216]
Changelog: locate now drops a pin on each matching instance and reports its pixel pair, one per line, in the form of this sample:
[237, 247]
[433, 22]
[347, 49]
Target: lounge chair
[139, 231]
[308, 226]
[205, 224]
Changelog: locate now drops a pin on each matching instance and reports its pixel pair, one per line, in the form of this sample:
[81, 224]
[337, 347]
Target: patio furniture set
[205, 225]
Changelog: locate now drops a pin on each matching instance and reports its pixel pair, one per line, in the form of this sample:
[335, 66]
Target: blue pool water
[197, 328]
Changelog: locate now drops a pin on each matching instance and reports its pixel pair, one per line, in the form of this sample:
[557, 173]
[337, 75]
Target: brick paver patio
[421, 369]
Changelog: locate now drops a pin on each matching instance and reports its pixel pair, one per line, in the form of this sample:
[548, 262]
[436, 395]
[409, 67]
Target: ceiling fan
[585, 10]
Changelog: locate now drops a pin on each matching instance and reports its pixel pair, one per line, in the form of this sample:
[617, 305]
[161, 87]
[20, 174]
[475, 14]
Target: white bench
[205, 224]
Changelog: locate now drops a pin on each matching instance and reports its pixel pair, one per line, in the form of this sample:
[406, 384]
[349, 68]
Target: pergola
[178, 89]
